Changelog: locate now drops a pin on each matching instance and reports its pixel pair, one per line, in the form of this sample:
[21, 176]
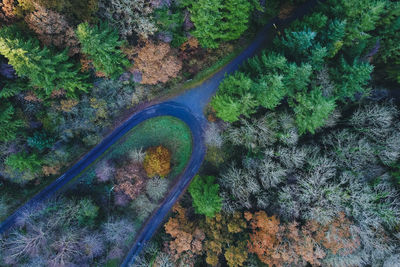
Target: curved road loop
[187, 107]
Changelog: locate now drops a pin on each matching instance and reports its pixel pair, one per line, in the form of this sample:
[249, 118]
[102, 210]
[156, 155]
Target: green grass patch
[168, 131]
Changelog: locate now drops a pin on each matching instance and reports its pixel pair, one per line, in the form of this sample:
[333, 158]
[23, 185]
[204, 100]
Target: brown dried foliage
[53, 29]
[289, 244]
[130, 180]
[187, 238]
[7, 11]
[157, 63]
[51, 170]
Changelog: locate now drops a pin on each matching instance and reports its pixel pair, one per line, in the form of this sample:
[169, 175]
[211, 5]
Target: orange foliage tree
[157, 161]
[157, 63]
[52, 29]
[278, 244]
[7, 8]
[187, 239]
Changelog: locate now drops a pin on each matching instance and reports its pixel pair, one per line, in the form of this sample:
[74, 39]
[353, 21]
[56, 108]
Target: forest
[302, 161]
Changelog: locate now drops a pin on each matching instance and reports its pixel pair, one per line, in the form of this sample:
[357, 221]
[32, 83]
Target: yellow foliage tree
[157, 161]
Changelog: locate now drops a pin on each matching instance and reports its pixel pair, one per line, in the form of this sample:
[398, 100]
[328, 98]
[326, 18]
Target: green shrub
[204, 192]
[87, 212]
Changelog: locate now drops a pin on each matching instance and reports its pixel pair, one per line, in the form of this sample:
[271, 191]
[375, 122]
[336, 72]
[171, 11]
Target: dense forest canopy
[303, 140]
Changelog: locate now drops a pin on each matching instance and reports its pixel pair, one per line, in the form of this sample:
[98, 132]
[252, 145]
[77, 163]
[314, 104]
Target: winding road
[187, 107]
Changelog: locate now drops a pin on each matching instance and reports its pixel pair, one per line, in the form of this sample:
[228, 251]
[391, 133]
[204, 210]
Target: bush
[87, 212]
[40, 141]
[156, 188]
[143, 207]
[119, 232]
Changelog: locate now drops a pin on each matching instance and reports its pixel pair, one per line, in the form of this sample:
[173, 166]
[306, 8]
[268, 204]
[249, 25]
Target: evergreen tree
[219, 20]
[388, 32]
[102, 44]
[226, 108]
[237, 98]
[207, 17]
[236, 15]
[45, 70]
[351, 79]
[297, 45]
[12, 88]
[311, 110]
[40, 141]
[23, 162]
[205, 195]
[9, 125]
[333, 36]
[270, 90]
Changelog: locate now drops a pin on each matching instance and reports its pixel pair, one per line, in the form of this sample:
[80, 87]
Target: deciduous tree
[52, 29]
[157, 63]
[157, 161]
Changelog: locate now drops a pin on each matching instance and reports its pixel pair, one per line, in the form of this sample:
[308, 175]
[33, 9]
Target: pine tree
[311, 110]
[351, 79]
[23, 162]
[102, 44]
[220, 20]
[9, 125]
[207, 17]
[297, 45]
[45, 70]
[236, 15]
[270, 90]
[226, 108]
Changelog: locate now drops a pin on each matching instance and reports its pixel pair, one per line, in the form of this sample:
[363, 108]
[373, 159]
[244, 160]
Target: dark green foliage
[102, 45]
[273, 79]
[270, 90]
[170, 21]
[297, 44]
[388, 32]
[396, 173]
[40, 141]
[12, 88]
[361, 16]
[46, 70]
[204, 192]
[316, 22]
[351, 79]
[9, 125]
[23, 162]
[87, 212]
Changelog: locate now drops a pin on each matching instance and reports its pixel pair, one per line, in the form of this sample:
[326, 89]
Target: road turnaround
[169, 108]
